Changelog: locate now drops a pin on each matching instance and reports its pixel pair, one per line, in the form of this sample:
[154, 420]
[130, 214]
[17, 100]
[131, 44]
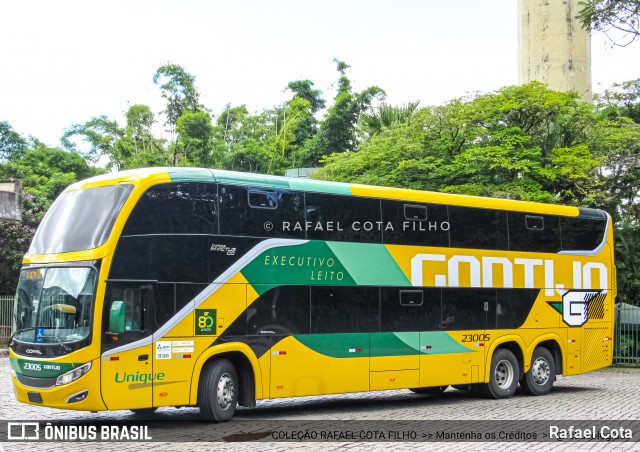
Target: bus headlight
[14, 374]
[73, 375]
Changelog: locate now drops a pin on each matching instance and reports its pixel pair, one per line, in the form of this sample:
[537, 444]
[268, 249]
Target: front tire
[218, 391]
[504, 375]
[540, 377]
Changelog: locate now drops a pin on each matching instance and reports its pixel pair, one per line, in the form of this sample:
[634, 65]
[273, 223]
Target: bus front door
[127, 372]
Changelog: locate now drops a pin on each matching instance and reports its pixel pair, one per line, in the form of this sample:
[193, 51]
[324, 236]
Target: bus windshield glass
[79, 220]
[54, 305]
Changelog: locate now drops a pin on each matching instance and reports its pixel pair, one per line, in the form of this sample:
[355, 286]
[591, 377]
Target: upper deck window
[79, 220]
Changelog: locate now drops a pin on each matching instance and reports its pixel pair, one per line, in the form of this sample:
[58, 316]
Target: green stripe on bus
[441, 343]
[40, 369]
[344, 345]
[335, 188]
[190, 175]
[369, 264]
[353, 345]
[312, 263]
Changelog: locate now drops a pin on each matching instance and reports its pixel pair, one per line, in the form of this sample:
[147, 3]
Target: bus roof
[152, 176]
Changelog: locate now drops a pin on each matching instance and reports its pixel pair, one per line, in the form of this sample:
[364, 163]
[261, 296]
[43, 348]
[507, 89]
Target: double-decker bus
[197, 287]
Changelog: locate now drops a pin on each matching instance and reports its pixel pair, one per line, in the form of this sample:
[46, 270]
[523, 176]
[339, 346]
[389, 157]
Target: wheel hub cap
[540, 371]
[225, 391]
[504, 374]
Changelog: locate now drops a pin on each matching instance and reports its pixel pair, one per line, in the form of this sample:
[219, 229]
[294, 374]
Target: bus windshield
[79, 220]
[54, 305]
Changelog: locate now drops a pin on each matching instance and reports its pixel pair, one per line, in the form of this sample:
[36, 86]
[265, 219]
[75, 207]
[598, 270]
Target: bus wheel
[503, 379]
[218, 391]
[540, 377]
[432, 390]
[144, 411]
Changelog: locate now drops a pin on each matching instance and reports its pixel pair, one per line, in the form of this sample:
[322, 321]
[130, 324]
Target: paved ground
[608, 394]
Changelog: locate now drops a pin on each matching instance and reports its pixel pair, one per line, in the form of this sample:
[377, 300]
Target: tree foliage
[618, 16]
[522, 142]
[178, 90]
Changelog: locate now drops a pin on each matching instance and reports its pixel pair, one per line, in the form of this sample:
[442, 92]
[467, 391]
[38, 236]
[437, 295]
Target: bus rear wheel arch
[218, 390]
[541, 375]
[503, 376]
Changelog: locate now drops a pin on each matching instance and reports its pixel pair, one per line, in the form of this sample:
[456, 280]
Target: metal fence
[626, 348]
[6, 313]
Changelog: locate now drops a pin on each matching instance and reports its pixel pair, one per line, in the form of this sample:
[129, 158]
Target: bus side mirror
[116, 317]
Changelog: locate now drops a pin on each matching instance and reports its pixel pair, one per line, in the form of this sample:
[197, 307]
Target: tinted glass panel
[343, 218]
[79, 220]
[283, 310]
[534, 233]
[582, 234]
[478, 228]
[168, 258]
[512, 307]
[415, 224]
[344, 309]
[397, 315]
[185, 207]
[263, 199]
[464, 309]
[165, 303]
[282, 214]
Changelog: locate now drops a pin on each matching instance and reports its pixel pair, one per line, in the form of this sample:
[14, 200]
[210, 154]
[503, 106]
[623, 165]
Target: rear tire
[540, 377]
[504, 375]
[432, 390]
[218, 391]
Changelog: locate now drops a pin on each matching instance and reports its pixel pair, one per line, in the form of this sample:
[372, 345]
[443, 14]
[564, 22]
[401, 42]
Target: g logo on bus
[575, 307]
[205, 322]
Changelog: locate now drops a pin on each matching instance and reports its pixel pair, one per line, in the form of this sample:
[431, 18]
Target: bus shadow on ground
[318, 405]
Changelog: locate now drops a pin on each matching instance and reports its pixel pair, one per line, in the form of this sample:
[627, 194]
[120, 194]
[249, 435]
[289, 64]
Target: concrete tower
[553, 48]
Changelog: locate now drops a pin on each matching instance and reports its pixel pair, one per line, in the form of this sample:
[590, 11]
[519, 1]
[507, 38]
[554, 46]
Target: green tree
[337, 131]
[179, 91]
[12, 145]
[100, 134]
[15, 238]
[621, 16]
[523, 142]
[138, 147]
[384, 116]
[45, 173]
[193, 146]
[622, 99]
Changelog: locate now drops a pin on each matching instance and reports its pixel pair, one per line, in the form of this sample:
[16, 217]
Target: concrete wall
[553, 48]
[10, 200]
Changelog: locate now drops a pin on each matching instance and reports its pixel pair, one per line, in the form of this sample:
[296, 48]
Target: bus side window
[344, 309]
[467, 308]
[478, 228]
[415, 224]
[259, 212]
[582, 234]
[409, 310]
[343, 218]
[534, 233]
[175, 208]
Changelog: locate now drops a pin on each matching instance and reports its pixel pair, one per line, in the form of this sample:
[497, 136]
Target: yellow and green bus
[199, 287]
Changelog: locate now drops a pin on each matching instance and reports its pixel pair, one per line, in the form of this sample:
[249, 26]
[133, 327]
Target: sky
[65, 61]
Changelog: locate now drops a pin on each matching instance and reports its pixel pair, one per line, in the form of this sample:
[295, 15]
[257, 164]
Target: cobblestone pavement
[608, 394]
